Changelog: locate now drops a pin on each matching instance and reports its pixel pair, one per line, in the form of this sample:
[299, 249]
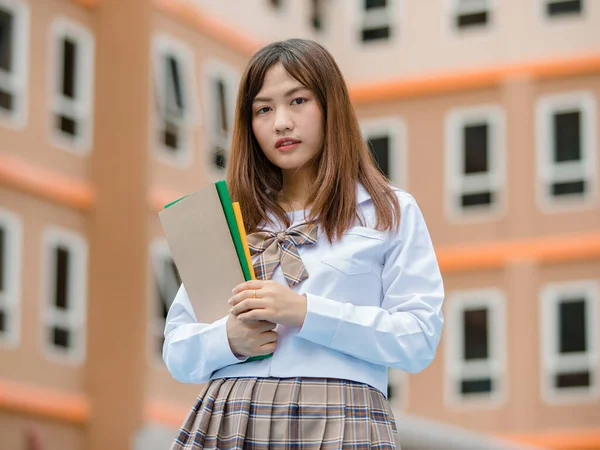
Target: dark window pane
[476, 386]
[61, 337]
[3, 257]
[175, 78]
[380, 149]
[67, 125]
[171, 283]
[476, 149]
[374, 34]
[372, 4]
[391, 392]
[69, 65]
[568, 188]
[220, 158]
[478, 199]
[567, 136]
[556, 8]
[316, 18]
[223, 122]
[472, 20]
[572, 326]
[6, 40]
[3, 326]
[476, 334]
[62, 256]
[6, 100]
[171, 136]
[567, 380]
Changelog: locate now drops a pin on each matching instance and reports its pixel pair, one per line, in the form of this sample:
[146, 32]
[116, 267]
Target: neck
[296, 186]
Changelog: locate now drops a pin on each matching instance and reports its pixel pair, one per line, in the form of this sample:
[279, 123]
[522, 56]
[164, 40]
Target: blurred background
[485, 110]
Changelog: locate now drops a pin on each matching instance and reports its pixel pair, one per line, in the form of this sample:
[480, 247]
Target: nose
[283, 121]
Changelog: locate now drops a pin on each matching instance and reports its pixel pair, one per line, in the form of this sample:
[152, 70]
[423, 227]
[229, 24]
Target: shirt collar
[362, 195]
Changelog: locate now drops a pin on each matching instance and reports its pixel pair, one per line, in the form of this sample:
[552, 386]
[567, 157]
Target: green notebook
[233, 228]
[235, 236]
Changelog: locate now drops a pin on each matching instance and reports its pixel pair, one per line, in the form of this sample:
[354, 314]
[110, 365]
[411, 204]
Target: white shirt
[374, 300]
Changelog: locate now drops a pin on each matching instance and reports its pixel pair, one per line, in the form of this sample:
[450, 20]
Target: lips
[284, 142]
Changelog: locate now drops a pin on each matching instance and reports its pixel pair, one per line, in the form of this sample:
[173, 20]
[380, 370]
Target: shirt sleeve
[405, 331]
[192, 351]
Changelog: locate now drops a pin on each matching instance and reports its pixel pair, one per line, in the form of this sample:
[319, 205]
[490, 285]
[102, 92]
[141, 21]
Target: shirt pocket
[358, 253]
[349, 266]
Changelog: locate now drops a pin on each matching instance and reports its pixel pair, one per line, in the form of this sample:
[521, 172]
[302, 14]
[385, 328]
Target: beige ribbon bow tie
[282, 248]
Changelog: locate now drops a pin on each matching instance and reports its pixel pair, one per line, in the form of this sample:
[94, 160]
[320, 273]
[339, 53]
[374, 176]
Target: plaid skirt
[291, 413]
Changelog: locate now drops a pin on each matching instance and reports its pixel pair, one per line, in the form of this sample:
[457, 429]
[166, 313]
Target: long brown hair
[343, 161]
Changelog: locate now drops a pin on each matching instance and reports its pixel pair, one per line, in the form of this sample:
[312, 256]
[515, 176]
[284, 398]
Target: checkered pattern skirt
[292, 413]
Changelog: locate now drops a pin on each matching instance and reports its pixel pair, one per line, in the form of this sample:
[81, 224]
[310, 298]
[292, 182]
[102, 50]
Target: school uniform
[374, 301]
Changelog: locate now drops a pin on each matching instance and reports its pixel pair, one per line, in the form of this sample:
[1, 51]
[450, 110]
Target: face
[287, 121]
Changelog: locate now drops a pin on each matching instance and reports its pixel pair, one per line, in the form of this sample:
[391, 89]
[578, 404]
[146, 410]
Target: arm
[193, 351]
[405, 331]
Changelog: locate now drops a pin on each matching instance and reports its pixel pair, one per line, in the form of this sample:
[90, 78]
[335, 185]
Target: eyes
[265, 109]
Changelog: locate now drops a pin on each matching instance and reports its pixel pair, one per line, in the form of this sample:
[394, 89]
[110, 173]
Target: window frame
[159, 252]
[81, 108]
[164, 46]
[10, 298]
[75, 319]
[395, 129]
[546, 107]
[390, 16]
[216, 69]
[552, 362]
[457, 369]
[456, 8]
[457, 183]
[17, 82]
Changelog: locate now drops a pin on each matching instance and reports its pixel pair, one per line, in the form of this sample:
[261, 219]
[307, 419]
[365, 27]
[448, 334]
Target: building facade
[485, 111]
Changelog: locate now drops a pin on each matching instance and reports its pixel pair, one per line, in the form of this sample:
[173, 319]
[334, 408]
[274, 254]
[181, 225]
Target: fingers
[266, 326]
[268, 337]
[252, 284]
[243, 295]
[247, 305]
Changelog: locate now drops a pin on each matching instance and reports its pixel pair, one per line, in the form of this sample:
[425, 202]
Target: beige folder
[203, 251]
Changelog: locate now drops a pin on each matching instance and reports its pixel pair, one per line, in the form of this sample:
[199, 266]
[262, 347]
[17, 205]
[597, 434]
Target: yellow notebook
[240, 223]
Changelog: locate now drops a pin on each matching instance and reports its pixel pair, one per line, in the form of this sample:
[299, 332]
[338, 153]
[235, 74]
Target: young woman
[349, 283]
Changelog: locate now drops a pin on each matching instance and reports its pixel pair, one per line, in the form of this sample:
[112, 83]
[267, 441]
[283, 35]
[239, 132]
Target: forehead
[277, 81]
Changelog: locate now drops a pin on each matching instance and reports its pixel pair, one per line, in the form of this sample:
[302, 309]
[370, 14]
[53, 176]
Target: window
[376, 24]
[64, 295]
[166, 284]
[471, 13]
[14, 56]
[566, 151]
[174, 75]
[72, 53]
[385, 138]
[221, 88]
[316, 16]
[10, 272]
[475, 364]
[475, 172]
[560, 8]
[569, 341]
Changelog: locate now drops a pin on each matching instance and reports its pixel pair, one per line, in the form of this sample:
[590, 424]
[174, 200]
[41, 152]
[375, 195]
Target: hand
[251, 338]
[274, 302]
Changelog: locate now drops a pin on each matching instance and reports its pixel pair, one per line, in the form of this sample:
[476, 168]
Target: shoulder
[366, 207]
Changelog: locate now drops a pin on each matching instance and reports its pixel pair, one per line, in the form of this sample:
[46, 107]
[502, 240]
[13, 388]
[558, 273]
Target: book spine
[233, 229]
